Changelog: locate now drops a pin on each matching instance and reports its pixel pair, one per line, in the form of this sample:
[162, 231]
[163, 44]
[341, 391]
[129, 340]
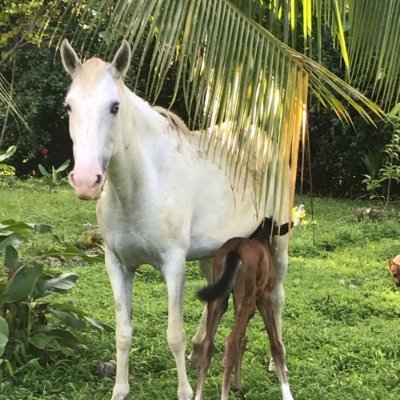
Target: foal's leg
[205, 266]
[238, 365]
[277, 350]
[281, 259]
[233, 345]
[173, 269]
[202, 358]
[121, 283]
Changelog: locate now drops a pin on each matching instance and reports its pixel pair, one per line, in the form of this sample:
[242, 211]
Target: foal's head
[93, 104]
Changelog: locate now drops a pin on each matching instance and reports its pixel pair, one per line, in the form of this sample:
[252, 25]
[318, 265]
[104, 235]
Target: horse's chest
[137, 237]
[128, 244]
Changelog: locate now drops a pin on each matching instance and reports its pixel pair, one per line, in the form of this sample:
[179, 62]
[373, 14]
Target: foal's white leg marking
[121, 283]
[173, 268]
[205, 266]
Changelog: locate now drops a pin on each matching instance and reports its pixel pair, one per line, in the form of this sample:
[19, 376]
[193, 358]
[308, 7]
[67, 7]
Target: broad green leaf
[72, 251]
[99, 325]
[4, 331]
[68, 319]
[9, 152]
[23, 227]
[11, 258]
[42, 228]
[22, 283]
[61, 283]
[45, 341]
[63, 166]
[13, 240]
[66, 339]
[68, 307]
[43, 170]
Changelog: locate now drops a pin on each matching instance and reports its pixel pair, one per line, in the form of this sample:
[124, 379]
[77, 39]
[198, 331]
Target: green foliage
[39, 87]
[53, 178]
[340, 323]
[389, 170]
[7, 172]
[32, 324]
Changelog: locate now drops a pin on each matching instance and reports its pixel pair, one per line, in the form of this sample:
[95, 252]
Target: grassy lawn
[341, 321]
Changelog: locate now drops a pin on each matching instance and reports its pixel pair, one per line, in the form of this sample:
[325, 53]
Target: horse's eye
[114, 108]
[68, 107]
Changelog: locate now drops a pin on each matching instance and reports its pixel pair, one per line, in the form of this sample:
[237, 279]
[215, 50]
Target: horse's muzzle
[87, 187]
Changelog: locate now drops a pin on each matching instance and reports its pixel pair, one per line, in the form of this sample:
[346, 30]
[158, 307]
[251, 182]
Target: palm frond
[7, 101]
[374, 46]
[234, 71]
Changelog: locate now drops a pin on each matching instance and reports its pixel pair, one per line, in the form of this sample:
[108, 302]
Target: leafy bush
[7, 172]
[389, 170]
[31, 323]
[53, 178]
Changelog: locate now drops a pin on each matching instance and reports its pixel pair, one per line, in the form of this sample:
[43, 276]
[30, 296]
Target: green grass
[341, 321]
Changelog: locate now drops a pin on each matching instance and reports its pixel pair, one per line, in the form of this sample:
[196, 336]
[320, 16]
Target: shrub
[32, 325]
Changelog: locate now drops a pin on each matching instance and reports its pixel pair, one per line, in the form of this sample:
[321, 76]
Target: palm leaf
[7, 100]
[374, 46]
[232, 70]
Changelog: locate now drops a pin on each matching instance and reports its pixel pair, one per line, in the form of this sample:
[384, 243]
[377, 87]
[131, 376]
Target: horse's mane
[176, 122]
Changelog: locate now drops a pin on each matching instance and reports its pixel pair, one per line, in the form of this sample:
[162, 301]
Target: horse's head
[93, 103]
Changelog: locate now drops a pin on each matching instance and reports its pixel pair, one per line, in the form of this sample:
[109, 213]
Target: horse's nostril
[71, 178]
[99, 178]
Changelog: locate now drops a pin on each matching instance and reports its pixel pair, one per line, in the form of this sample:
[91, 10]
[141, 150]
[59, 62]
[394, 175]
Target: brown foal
[244, 267]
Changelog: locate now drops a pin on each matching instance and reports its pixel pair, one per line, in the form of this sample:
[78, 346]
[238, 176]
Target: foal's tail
[224, 284]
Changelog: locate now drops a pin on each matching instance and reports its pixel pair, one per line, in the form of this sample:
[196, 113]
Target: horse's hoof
[120, 392]
[185, 393]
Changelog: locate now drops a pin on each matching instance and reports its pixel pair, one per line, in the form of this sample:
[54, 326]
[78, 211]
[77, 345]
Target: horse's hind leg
[173, 269]
[281, 259]
[121, 283]
[277, 350]
[205, 266]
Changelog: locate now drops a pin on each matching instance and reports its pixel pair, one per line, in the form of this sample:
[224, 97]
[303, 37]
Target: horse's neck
[138, 143]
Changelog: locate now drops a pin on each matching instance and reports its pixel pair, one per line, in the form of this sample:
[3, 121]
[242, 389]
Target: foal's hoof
[238, 392]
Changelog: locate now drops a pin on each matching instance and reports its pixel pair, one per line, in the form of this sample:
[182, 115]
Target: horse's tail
[224, 284]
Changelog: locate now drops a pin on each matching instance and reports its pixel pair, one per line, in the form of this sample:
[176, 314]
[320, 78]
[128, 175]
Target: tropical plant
[33, 323]
[390, 169]
[231, 68]
[6, 171]
[53, 178]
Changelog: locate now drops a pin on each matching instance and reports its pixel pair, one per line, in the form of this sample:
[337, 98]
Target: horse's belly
[217, 222]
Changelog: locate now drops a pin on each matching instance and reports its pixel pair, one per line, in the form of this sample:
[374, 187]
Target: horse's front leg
[205, 266]
[121, 283]
[173, 269]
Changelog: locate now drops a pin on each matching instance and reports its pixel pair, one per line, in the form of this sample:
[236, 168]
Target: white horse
[160, 200]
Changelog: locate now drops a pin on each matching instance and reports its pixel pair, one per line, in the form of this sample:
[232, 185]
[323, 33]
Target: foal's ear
[122, 60]
[70, 60]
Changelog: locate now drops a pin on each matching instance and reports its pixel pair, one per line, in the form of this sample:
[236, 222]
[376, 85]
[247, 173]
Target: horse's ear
[69, 58]
[122, 60]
